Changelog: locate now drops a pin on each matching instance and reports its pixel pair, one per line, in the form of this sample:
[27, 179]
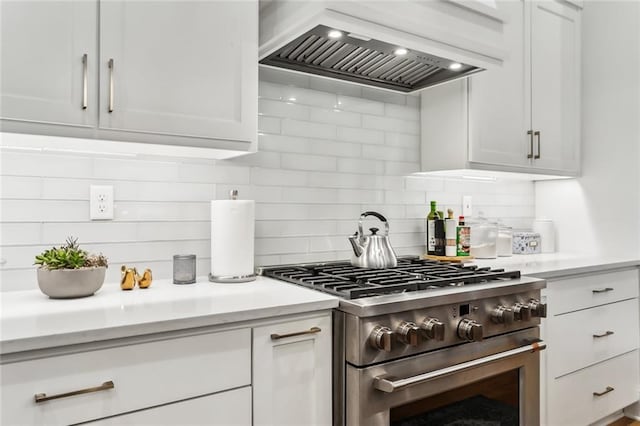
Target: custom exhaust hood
[397, 45]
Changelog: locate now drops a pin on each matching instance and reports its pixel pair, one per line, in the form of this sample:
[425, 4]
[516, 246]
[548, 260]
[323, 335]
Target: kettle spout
[357, 246]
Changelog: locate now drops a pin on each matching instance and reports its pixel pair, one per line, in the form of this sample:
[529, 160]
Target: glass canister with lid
[484, 239]
[505, 241]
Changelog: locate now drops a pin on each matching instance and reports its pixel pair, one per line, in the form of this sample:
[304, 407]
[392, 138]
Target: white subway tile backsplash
[384, 96]
[308, 129]
[327, 152]
[355, 165]
[335, 148]
[402, 140]
[344, 180]
[283, 109]
[390, 124]
[404, 197]
[334, 86]
[357, 104]
[281, 143]
[272, 177]
[308, 162]
[270, 246]
[268, 124]
[387, 153]
[14, 233]
[21, 187]
[335, 116]
[400, 167]
[56, 233]
[364, 136]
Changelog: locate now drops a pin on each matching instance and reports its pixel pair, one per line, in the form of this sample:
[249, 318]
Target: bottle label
[431, 236]
[463, 240]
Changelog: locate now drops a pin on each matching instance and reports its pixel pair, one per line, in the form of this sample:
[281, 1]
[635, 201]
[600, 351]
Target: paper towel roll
[232, 236]
[547, 235]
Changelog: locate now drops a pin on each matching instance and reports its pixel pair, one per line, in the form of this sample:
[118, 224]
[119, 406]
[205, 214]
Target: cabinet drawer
[231, 408]
[583, 292]
[143, 374]
[571, 340]
[571, 399]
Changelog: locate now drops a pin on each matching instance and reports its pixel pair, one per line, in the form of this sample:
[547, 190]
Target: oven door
[496, 380]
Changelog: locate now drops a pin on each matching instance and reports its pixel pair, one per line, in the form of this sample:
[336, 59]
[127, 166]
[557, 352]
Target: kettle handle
[379, 216]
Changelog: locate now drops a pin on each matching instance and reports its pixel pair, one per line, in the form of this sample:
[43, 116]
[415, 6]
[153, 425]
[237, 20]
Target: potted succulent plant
[68, 271]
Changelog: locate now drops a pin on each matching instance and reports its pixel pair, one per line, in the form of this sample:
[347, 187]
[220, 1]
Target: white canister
[547, 235]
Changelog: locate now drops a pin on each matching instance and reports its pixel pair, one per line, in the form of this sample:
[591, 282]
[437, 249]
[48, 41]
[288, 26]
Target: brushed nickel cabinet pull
[41, 397]
[609, 389]
[537, 133]
[312, 330]
[605, 334]
[111, 85]
[530, 133]
[602, 290]
[84, 81]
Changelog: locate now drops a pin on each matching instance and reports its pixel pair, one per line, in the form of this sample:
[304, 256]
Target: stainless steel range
[430, 343]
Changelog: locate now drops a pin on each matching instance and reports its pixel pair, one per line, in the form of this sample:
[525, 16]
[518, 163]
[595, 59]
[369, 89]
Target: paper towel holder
[233, 195]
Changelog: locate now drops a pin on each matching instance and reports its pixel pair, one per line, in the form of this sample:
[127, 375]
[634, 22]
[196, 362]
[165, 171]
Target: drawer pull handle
[602, 290]
[609, 389]
[41, 397]
[312, 330]
[605, 334]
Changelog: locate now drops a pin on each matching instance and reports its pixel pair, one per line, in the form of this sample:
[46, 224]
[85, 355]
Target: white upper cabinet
[48, 50]
[523, 117]
[179, 67]
[169, 72]
[555, 85]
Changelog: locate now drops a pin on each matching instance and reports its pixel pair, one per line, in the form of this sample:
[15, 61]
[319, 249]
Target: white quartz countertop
[554, 265]
[30, 320]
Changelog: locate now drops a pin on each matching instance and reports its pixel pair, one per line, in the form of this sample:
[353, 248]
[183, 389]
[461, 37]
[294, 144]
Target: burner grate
[412, 274]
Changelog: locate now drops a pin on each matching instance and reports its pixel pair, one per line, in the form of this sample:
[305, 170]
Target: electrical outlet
[467, 209]
[101, 202]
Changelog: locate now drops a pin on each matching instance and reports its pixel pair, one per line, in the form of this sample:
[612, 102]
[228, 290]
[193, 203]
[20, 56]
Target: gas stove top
[412, 274]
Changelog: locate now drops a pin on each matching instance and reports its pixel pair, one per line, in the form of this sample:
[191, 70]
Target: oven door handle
[390, 384]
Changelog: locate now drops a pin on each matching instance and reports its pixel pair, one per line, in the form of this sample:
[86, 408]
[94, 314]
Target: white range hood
[398, 45]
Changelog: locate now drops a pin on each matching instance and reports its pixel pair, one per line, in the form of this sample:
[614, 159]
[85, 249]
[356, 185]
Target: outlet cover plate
[101, 202]
[467, 208]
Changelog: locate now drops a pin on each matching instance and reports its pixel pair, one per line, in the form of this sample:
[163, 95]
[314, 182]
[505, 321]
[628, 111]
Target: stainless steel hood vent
[365, 61]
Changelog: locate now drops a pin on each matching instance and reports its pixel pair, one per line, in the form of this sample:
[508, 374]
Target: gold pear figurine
[145, 280]
[128, 280]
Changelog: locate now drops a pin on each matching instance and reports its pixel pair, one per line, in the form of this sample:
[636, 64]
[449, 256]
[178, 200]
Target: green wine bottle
[431, 229]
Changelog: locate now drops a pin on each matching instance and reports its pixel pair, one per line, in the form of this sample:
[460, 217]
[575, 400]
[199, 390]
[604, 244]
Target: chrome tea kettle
[372, 251]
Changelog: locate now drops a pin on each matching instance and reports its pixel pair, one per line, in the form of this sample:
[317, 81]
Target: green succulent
[69, 256]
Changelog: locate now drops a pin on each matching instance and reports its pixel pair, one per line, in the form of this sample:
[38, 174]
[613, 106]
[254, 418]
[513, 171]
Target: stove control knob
[470, 330]
[502, 315]
[521, 312]
[380, 338]
[408, 332]
[432, 328]
[538, 309]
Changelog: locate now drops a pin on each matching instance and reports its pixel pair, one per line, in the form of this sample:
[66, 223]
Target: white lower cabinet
[592, 364]
[137, 376]
[210, 410]
[292, 372]
[213, 377]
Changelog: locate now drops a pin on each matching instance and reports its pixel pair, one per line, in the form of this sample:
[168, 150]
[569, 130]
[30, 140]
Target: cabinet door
[292, 375]
[499, 99]
[186, 68]
[45, 73]
[221, 409]
[555, 84]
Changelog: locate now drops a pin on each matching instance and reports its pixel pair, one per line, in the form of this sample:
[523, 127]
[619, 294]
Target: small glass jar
[505, 241]
[184, 268]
